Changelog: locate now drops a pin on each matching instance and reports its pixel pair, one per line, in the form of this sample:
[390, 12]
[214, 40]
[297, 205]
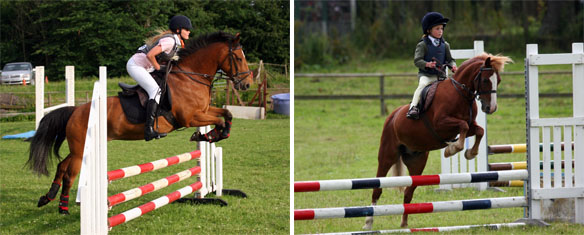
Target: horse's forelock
[498, 61]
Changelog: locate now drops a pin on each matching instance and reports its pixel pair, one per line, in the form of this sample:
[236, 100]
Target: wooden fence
[382, 96]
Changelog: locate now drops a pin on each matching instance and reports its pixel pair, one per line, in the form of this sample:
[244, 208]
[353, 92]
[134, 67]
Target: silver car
[17, 73]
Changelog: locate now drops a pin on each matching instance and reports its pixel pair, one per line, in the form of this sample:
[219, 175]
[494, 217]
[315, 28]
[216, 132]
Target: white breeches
[424, 81]
[144, 79]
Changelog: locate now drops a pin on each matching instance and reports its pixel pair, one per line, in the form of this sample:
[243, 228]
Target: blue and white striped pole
[412, 208]
[404, 181]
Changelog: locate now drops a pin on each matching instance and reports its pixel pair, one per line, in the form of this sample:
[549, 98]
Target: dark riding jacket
[425, 50]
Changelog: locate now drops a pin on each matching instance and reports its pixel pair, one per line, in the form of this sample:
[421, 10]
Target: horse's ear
[237, 38]
[488, 62]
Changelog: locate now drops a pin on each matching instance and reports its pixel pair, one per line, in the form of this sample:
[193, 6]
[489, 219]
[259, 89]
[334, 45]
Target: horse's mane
[497, 61]
[203, 41]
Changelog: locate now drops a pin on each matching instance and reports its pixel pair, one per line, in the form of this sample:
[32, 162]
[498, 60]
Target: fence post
[381, 94]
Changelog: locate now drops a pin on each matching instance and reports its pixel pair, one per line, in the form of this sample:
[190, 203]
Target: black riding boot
[413, 113]
[149, 132]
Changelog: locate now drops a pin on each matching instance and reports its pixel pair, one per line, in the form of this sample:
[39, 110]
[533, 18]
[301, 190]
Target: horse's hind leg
[416, 162]
[61, 169]
[68, 180]
[388, 155]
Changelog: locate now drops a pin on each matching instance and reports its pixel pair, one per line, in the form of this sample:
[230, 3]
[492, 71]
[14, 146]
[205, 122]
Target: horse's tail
[50, 133]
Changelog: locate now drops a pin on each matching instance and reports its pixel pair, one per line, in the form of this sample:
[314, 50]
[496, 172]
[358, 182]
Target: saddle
[427, 96]
[133, 99]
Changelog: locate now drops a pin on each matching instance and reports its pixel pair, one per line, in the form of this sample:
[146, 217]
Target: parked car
[17, 73]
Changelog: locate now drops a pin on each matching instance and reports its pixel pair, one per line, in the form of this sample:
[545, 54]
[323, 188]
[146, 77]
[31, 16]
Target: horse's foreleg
[226, 115]
[204, 119]
[457, 146]
[474, 151]
[61, 169]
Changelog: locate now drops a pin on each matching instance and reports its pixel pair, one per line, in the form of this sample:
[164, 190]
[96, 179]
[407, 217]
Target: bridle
[236, 77]
[477, 81]
[472, 95]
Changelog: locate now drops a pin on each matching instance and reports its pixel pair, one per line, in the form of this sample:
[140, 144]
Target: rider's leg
[414, 112]
[146, 81]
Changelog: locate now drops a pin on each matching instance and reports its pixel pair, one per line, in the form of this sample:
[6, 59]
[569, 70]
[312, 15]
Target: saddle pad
[134, 111]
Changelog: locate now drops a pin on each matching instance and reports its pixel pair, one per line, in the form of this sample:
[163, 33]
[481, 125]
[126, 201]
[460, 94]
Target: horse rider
[431, 50]
[159, 49]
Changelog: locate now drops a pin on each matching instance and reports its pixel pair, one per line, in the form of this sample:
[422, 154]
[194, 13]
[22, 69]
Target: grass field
[339, 139]
[255, 157]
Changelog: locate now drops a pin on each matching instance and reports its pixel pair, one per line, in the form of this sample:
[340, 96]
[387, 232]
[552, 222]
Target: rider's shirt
[167, 44]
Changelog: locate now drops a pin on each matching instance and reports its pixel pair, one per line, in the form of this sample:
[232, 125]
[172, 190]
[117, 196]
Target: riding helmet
[180, 22]
[432, 19]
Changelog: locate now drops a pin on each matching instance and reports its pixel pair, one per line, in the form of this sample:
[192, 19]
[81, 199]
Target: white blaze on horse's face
[243, 54]
[493, 105]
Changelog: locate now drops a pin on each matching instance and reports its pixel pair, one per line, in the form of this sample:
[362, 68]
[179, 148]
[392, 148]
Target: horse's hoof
[404, 225]
[63, 212]
[43, 201]
[468, 155]
[197, 136]
[368, 223]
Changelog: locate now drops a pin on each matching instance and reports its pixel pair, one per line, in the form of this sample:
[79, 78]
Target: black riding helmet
[432, 19]
[179, 22]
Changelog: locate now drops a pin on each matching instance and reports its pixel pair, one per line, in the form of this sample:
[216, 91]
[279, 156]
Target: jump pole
[404, 181]
[412, 208]
[433, 229]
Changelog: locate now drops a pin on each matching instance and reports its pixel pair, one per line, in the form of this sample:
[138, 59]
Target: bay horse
[190, 84]
[453, 112]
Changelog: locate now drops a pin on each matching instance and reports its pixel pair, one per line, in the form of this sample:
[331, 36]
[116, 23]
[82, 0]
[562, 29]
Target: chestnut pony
[453, 112]
[190, 83]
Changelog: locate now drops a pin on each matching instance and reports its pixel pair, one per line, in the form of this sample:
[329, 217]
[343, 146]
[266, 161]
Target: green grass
[339, 139]
[256, 160]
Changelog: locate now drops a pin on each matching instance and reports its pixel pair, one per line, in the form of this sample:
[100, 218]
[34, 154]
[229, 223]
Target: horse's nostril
[246, 86]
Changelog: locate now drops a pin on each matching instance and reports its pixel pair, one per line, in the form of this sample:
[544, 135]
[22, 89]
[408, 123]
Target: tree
[88, 34]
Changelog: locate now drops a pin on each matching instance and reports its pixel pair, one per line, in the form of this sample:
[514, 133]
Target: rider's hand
[431, 64]
[454, 68]
[161, 68]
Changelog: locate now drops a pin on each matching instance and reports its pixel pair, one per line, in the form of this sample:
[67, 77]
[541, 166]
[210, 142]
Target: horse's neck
[202, 62]
[466, 78]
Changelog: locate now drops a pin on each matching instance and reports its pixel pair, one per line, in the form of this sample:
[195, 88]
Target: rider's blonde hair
[159, 33]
